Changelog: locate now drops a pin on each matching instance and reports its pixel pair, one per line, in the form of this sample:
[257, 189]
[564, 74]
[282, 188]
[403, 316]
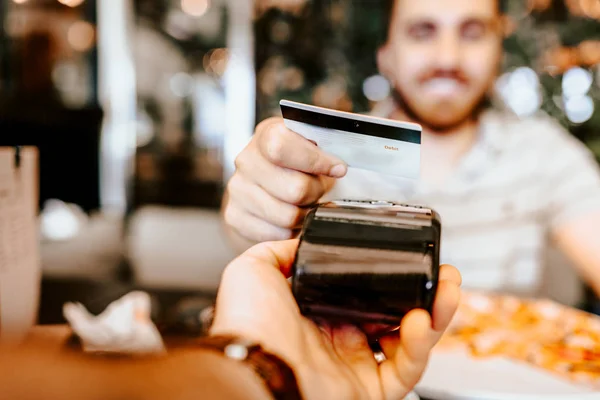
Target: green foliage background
[336, 39]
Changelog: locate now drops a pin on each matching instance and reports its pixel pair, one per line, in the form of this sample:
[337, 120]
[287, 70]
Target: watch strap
[275, 373]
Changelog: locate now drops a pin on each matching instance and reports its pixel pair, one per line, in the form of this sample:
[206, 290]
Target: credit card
[361, 141]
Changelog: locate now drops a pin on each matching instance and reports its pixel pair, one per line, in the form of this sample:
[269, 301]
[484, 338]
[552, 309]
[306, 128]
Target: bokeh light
[576, 82]
[179, 25]
[591, 8]
[181, 84]
[333, 93]
[559, 60]
[71, 3]
[292, 78]
[281, 32]
[215, 61]
[376, 88]
[195, 8]
[60, 221]
[81, 35]
[65, 76]
[589, 52]
[144, 128]
[520, 91]
[579, 109]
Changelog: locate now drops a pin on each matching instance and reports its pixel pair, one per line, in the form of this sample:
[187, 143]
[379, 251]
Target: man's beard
[483, 103]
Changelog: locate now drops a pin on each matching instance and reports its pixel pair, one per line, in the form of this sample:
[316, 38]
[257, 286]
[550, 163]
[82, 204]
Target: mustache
[455, 74]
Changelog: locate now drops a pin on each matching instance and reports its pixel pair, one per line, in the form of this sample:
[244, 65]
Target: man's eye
[421, 31]
[473, 30]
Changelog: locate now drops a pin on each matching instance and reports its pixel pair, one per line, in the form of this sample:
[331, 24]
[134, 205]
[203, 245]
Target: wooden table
[56, 336]
[52, 335]
[46, 367]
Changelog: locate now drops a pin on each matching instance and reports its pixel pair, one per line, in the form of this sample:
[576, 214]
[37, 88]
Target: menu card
[20, 267]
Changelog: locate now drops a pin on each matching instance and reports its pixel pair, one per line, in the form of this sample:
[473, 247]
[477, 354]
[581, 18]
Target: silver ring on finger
[379, 357]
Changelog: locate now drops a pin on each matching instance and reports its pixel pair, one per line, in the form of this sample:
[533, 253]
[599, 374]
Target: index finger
[288, 149]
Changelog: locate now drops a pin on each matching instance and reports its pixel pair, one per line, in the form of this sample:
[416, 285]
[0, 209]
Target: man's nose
[448, 51]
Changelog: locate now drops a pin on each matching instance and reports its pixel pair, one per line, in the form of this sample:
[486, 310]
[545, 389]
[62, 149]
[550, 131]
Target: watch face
[236, 351]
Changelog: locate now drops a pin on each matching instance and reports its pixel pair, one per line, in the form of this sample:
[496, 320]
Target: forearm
[36, 372]
[579, 241]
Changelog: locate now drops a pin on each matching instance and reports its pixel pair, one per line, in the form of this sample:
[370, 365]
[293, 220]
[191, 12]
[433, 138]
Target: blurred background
[139, 108]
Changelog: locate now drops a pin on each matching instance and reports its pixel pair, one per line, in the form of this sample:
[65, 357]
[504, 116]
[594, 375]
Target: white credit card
[361, 141]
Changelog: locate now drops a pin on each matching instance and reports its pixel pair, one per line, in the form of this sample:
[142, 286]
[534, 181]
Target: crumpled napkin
[124, 327]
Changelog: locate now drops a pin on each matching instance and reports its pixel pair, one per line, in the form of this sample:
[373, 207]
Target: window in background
[553, 63]
[48, 93]
[48, 49]
[181, 56]
[319, 52]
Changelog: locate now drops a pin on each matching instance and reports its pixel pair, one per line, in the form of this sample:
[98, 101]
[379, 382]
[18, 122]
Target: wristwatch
[275, 373]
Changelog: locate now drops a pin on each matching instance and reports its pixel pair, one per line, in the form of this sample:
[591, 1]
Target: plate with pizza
[504, 347]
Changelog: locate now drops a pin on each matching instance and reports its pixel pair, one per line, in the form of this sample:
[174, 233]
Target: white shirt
[522, 178]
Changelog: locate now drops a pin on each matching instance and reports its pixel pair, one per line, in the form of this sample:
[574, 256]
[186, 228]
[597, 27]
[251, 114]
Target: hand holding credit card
[280, 173]
[376, 144]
